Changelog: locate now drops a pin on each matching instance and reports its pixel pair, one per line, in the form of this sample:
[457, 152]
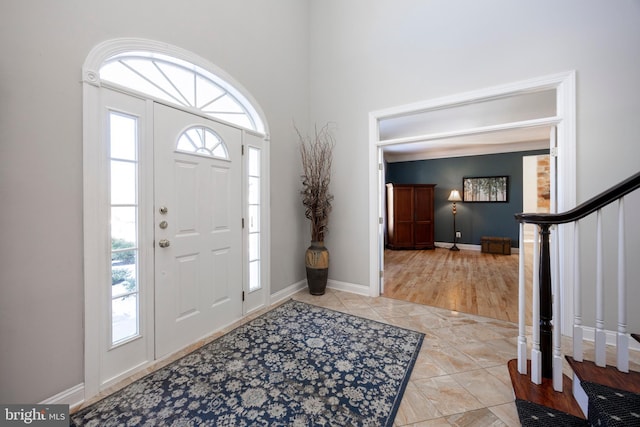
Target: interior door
[198, 227]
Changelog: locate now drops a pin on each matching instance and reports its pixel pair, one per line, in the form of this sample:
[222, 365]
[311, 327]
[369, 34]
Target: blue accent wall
[473, 220]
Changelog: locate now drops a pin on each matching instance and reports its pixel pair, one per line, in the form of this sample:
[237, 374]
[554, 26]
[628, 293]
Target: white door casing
[199, 275]
[565, 122]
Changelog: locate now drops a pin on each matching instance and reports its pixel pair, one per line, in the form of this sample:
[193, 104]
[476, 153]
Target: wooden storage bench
[496, 245]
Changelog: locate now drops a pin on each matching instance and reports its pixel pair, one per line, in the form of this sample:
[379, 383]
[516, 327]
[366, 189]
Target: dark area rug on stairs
[611, 407]
[534, 415]
[296, 365]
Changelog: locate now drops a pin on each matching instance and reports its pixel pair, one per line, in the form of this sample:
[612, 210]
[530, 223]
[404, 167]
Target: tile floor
[460, 377]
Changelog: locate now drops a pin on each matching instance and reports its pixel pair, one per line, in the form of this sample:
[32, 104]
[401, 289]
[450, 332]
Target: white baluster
[622, 340]
[522, 300]
[557, 314]
[601, 338]
[577, 298]
[536, 355]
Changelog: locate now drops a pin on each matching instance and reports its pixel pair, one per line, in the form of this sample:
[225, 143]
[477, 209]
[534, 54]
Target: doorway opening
[458, 135]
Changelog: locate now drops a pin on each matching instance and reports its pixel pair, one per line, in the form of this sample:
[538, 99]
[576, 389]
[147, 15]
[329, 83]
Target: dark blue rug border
[405, 381]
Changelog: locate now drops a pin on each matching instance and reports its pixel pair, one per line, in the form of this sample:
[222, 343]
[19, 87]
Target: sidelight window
[123, 145]
[254, 218]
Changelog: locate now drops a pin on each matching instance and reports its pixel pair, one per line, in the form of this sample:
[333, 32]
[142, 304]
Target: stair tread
[607, 405]
[544, 394]
[636, 337]
[534, 415]
[608, 376]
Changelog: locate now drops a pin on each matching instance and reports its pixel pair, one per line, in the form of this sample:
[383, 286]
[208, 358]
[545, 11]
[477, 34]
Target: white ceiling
[495, 126]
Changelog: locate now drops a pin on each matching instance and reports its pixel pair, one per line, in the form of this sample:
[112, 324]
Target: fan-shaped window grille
[203, 141]
[181, 83]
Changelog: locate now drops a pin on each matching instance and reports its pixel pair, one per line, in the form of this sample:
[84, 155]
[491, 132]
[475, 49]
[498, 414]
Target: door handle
[164, 243]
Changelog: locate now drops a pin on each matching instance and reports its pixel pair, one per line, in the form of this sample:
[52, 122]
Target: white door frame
[565, 120]
[95, 187]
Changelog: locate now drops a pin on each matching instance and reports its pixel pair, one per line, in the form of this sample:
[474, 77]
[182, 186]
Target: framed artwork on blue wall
[485, 189]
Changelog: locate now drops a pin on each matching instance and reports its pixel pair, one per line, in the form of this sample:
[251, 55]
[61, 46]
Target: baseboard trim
[589, 334]
[469, 247]
[331, 284]
[287, 292]
[73, 397]
[348, 287]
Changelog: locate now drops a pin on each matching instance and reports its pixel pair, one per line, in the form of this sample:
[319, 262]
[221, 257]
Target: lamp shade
[454, 196]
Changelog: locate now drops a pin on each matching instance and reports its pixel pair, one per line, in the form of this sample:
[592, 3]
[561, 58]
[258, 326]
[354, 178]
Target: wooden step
[609, 375]
[544, 394]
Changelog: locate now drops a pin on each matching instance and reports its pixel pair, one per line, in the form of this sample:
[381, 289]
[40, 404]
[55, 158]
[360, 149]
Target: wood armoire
[410, 216]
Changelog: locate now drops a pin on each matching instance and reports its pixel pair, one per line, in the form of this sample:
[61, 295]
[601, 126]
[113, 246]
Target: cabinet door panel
[423, 204]
[423, 235]
[404, 235]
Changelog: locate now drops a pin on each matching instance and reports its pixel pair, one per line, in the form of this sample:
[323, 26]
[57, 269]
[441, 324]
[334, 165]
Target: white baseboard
[468, 247]
[589, 334]
[465, 246]
[287, 292]
[331, 284]
[348, 287]
[73, 397]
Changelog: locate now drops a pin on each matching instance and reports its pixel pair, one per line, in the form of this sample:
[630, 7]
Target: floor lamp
[454, 197]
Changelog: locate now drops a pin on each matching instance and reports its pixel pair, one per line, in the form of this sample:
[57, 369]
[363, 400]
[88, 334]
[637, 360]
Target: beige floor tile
[501, 372]
[507, 413]
[438, 422]
[447, 395]
[490, 353]
[488, 389]
[415, 407]
[426, 367]
[478, 418]
[452, 360]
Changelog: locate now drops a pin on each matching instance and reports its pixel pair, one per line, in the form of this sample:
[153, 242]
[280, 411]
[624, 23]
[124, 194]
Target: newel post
[546, 304]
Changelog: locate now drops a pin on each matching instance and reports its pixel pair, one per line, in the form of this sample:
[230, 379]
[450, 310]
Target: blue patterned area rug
[296, 365]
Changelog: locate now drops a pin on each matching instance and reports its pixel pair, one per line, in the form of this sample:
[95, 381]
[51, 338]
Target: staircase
[597, 394]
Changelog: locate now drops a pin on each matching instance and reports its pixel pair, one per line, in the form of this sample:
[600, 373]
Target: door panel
[199, 273]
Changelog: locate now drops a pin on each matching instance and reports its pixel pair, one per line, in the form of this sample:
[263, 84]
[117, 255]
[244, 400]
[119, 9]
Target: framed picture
[485, 189]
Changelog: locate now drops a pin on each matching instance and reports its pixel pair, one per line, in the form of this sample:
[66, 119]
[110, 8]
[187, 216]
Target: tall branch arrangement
[317, 154]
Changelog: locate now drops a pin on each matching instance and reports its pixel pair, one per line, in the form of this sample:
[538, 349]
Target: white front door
[198, 227]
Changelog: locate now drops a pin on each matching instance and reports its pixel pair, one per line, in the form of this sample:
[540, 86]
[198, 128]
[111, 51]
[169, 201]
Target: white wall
[263, 45]
[368, 55]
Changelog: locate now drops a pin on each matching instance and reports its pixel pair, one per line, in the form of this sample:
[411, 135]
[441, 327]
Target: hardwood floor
[465, 281]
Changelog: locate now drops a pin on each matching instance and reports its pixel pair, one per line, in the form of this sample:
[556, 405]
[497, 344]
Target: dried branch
[316, 154]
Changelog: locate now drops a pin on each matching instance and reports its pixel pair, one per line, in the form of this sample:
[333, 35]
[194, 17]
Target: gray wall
[368, 55]
[310, 61]
[473, 220]
[263, 45]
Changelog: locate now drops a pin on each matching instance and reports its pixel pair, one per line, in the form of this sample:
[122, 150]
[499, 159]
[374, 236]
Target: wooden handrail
[598, 202]
[544, 358]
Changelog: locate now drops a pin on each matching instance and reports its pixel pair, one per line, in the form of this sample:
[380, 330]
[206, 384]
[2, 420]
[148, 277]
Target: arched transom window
[181, 83]
[203, 141]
